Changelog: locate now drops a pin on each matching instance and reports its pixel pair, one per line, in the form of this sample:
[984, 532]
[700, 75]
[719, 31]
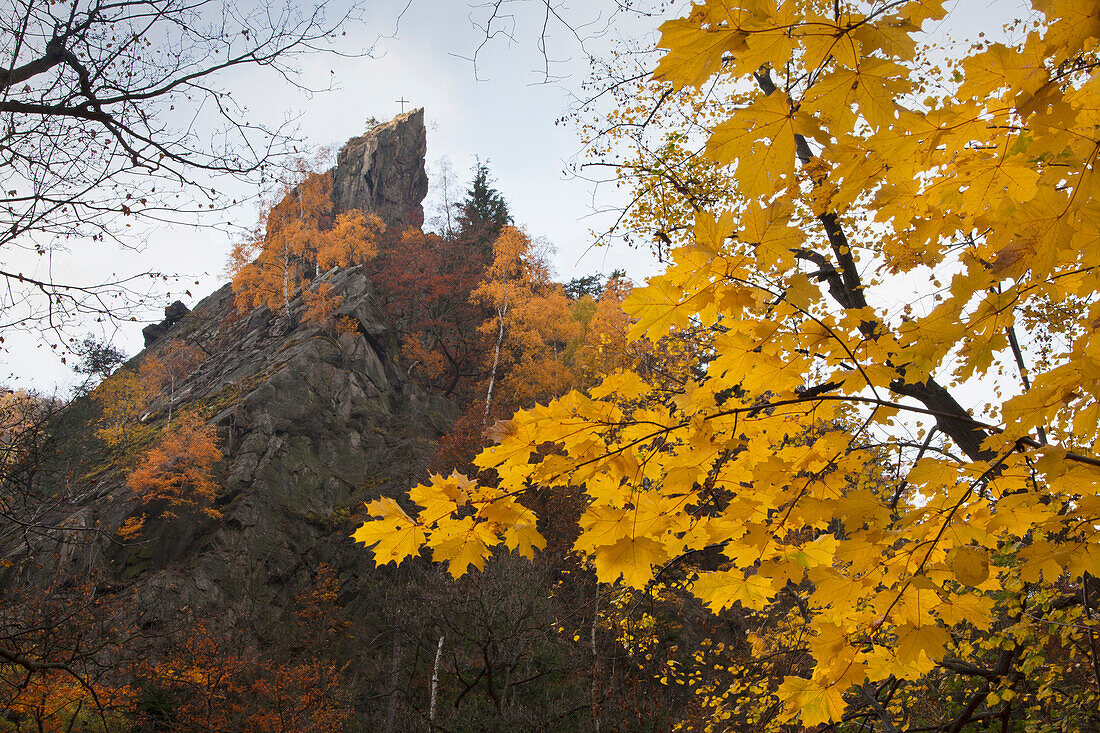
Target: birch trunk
[435, 684]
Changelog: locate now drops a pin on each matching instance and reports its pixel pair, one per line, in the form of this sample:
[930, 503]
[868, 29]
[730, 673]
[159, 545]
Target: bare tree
[114, 114]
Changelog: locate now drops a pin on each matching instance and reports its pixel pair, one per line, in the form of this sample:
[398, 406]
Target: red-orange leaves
[177, 472]
[297, 238]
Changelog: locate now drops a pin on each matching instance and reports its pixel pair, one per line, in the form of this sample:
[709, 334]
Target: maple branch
[905, 483]
[880, 711]
[847, 289]
[1092, 637]
[957, 665]
[825, 272]
[1018, 355]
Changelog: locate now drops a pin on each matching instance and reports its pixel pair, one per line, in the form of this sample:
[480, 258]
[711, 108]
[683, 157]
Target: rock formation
[312, 420]
[311, 424]
[172, 315]
[382, 172]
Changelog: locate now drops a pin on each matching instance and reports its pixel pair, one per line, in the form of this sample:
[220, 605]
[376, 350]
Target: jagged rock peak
[382, 172]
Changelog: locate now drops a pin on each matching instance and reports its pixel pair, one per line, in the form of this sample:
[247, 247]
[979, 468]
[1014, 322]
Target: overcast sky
[502, 111]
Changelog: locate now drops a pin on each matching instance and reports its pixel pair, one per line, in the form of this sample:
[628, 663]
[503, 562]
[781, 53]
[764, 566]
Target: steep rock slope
[311, 422]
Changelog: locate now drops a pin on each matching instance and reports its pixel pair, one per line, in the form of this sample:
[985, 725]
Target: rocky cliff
[311, 423]
[382, 172]
[312, 420]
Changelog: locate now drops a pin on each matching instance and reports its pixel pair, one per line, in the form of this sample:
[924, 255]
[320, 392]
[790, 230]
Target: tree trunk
[395, 671]
[435, 684]
[496, 361]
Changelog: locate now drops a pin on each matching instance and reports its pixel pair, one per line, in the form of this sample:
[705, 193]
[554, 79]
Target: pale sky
[502, 112]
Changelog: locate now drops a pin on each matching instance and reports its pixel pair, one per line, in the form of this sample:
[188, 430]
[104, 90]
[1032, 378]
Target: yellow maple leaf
[761, 139]
[632, 558]
[970, 564]
[928, 639]
[694, 52]
[812, 701]
[461, 543]
[521, 534]
[393, 533]
[720, 589]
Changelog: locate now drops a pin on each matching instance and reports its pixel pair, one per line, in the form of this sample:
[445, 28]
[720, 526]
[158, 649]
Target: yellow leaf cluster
[890, 241]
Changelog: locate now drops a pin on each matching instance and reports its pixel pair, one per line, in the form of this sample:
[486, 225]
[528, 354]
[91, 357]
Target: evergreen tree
[483, 214]
[97, 358]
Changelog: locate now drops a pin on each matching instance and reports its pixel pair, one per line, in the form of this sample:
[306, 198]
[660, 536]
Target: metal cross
[403, 102]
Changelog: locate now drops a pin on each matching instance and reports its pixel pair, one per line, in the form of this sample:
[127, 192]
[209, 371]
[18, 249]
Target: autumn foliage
[78, 659]
[123, 397]
[126, 395]
[64, 653]
[176, 473]
[875, 242]
[297, 238]
[21, 417]
[425, 281]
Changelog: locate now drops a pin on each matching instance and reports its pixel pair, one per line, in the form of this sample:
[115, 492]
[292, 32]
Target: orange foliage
[177, 471]
[295, 239]
[352, 240]
[162, 372]
[533, 328]
[217, 687]
[220, 688]
[58, 701]
[126, 394]
[65, 662]
[219, 683]
[344, 325]
[321, 301]
[537, 345]
[605, 345]
[167, 367]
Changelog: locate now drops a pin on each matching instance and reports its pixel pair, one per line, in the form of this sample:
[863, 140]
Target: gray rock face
[382, 172]
[312, 420]
[311, 424]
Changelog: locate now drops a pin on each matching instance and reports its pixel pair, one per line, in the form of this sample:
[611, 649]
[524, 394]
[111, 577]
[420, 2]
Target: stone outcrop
[312, 421]
[311, 424]
[173, 314]
[382, 172]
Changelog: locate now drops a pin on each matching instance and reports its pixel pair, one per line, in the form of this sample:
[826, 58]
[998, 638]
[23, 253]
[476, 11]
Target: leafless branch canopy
[115, 112]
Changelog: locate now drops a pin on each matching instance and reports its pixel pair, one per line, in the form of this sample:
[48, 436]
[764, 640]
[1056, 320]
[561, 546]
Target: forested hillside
[179, 556]
[833, 469]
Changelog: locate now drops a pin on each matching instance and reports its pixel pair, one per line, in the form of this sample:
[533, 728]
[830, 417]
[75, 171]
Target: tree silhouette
[482, 215]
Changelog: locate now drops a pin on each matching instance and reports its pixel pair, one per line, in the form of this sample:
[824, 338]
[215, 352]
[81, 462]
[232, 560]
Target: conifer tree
[483, 214]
